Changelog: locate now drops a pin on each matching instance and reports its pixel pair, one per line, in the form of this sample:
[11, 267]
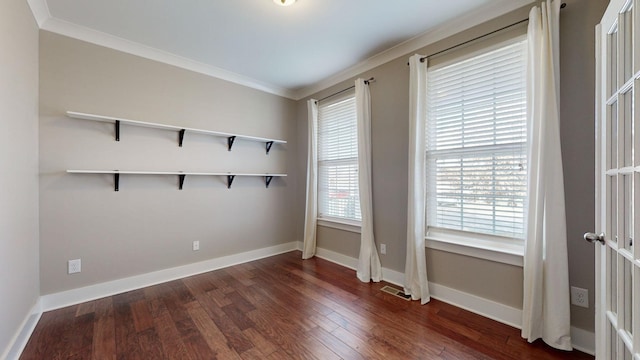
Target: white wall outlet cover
[580, 297]
[196, 245]
[74, 266]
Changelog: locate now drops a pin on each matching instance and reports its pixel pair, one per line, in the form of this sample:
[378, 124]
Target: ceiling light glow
[284, 2]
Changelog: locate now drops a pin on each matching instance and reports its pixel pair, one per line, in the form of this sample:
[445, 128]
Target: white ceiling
[284, 50]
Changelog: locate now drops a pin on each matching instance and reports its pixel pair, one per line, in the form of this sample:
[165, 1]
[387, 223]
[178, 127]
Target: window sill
[487, 249]
[345, 225]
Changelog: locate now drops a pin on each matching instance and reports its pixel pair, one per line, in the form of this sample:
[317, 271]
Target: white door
[617, 183]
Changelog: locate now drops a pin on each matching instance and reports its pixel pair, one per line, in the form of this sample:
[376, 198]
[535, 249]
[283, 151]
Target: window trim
[489, 247]
[340, 224]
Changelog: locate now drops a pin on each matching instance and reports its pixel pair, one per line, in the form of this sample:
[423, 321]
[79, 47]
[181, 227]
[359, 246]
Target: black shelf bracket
[117, 125]
[269, 144]
[181, 180]
[230, 141]
[230, 180]
[180, 137]
[116, 182]
[268, 179]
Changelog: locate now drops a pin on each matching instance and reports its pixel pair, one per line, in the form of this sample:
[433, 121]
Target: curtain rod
[368, 81]
[422, 59]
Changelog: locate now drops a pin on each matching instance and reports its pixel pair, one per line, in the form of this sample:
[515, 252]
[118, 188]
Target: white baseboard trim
[394, 277]
[388, 275]
[337, 258]
[583, 340]
[20, 339]
[97, 291]
[481, 306]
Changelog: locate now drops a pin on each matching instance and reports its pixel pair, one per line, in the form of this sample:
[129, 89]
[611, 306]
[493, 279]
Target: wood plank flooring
[275, 308]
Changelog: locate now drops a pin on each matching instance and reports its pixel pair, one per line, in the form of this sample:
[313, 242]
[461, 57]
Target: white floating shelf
[181, 130]
[181, 175]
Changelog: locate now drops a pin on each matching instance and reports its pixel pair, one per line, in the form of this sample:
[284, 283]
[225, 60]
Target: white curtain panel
[368, 263]
[311, 212]
[546, 275]
[415, 282]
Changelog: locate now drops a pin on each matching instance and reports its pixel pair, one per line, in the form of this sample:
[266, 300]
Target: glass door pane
[626, 50]
[619, 289]
[612, 135]
[612, 61]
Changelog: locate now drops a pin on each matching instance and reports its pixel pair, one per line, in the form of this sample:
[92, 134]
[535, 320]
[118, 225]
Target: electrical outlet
[75, 266]
[579, 297]
[196, 245]
[383, 249]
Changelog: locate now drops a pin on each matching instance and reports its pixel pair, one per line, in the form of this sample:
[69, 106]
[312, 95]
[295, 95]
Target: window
[338, 197]
[476, 142]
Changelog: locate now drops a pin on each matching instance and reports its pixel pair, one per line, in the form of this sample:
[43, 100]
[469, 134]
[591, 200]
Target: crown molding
[46, 22]
[40, 11]
[113, 42]
[438, 33]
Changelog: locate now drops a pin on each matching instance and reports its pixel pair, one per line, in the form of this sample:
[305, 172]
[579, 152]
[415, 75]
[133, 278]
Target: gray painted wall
[19, 278]
[577, 129]
[149, 224]
[389, 94]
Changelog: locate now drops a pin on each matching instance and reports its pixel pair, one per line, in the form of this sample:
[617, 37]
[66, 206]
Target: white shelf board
[110, 119]
[143, 172]
[181, 174]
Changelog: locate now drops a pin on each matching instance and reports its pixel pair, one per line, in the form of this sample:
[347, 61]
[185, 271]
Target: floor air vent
[395, 292]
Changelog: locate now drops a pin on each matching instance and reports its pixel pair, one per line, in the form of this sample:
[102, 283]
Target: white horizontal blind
[338, 195]
[476, 143]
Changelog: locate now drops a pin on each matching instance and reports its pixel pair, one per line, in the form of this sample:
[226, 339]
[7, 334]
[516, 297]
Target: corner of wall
[19, 224]
[20, 339]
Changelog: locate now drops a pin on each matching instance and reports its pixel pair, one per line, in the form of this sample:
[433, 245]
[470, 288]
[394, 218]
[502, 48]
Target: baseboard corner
[20, 339]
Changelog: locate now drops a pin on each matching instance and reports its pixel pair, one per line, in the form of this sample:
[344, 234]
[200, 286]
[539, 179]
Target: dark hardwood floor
[276, 308]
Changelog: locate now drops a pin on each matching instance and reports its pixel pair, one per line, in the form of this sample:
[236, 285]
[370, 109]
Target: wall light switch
[196, 245]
